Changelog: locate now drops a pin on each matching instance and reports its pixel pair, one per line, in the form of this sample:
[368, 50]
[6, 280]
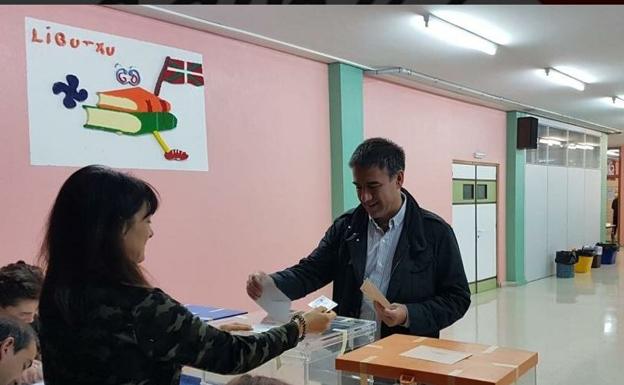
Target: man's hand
[395, 315]
[33, 374]
[254, 284]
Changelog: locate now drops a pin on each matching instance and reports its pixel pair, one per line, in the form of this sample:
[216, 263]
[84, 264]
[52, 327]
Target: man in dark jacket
[409, 253]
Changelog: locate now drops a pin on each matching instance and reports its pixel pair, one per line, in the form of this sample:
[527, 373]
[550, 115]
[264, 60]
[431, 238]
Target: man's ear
[6, 345]
[400, 178]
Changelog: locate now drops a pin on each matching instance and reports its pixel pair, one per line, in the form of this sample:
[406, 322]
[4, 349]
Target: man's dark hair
[19, 281]
[21, 332]
[379, 152]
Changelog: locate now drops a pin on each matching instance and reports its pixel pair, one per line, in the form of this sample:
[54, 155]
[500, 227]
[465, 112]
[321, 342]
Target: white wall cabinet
[474, 219]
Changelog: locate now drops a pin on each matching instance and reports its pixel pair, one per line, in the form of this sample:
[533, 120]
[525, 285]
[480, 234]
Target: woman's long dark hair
[83, 241]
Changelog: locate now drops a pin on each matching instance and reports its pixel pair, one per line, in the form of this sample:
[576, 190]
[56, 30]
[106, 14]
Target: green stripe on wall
[485, 285]
[514, 215]
[481, 286]
[458, 191]
[491, 191]
[346, 131]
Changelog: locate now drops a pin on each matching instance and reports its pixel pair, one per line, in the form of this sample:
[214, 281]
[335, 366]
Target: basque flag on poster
[179, 72]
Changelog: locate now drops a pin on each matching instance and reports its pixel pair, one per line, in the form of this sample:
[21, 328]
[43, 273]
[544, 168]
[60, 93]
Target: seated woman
[101, 320]
[20, 286]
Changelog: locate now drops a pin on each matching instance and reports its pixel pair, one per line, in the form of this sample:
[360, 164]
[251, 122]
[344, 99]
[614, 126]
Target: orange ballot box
[431, 361]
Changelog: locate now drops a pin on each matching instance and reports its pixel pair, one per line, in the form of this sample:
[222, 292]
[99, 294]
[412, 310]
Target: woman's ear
[124, 228]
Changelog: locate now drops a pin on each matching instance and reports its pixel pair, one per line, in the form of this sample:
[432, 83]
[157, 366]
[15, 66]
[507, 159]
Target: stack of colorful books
[130, 111]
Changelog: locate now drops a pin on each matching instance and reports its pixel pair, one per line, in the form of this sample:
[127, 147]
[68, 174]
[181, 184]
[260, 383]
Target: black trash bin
[565, 260]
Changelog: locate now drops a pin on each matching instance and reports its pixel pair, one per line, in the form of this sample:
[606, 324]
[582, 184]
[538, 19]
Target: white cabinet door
[557, 213]
[536, 265]
[576, 208]
[486, 241]
[592, 206]
[464, 227]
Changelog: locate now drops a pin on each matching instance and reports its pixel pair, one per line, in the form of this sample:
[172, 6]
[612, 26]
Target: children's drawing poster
[100, 98]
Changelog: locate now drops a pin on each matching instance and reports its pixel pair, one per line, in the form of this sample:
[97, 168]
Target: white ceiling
[588, 38]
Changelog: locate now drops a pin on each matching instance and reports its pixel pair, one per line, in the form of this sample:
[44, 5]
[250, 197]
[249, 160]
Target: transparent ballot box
[311, 362]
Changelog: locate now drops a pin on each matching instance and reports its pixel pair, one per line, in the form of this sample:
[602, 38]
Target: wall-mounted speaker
[527, 133]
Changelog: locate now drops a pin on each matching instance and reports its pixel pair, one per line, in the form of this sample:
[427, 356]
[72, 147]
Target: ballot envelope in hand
[273, 301]
[372, 292]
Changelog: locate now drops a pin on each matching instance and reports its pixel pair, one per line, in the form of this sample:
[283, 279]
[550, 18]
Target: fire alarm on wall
[478, 155]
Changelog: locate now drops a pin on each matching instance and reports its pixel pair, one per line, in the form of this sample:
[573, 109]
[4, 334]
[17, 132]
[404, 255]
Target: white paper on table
[273, 301]
[373, 293]
[323, 301]
[442, 356]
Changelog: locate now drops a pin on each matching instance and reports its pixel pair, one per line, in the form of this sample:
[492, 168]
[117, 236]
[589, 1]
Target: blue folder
[208, 313]
[189, 380]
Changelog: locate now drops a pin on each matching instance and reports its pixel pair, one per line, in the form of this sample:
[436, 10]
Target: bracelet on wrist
[298, 318]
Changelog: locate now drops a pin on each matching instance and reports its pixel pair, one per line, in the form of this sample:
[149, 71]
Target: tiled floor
[572, 324]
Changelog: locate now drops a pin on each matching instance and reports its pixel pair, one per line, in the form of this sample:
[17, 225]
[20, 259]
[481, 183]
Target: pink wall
[265, 201]
[435, 131]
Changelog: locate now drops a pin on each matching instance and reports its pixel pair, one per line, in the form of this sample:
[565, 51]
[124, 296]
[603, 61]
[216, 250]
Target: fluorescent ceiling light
[550, 142]
[614, 152]
[573, 146]
[477, 25]
[563, 79]
[454, 34]
[555, 138]
[618, 102]
[577, 73]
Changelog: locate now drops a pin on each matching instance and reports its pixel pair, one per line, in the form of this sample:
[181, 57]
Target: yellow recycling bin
[584, 264]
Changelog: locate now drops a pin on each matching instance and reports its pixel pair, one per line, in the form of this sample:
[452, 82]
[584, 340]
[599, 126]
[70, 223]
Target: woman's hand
[235, 327]
[318, 320]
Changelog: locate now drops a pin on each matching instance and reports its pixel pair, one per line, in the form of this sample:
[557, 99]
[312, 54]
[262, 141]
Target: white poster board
[140, 127]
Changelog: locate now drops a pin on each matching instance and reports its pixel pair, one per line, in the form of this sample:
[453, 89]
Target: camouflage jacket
[138, 336]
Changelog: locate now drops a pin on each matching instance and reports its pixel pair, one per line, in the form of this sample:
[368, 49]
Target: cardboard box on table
[488, 365]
